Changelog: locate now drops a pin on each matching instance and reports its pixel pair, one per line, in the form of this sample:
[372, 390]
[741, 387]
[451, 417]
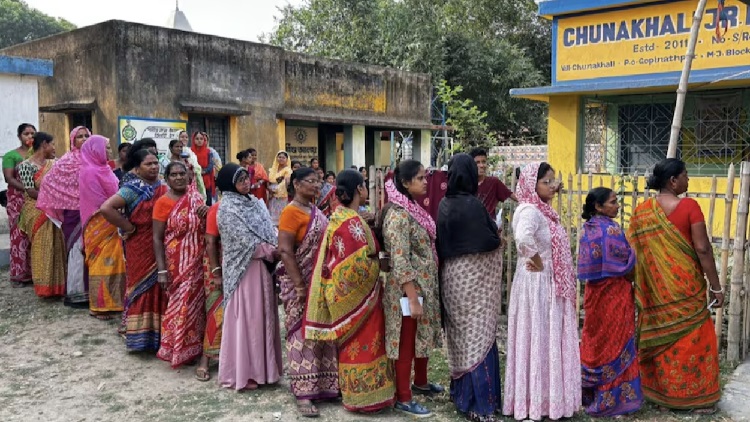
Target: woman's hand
[163, 278]
[535, 264]
[415, 308]
[276, 255]
[719, 298]
[217, 281]
[202, 211]
[128, 233]
[301, 292]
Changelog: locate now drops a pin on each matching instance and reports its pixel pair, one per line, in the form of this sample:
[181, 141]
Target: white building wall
[19, 104]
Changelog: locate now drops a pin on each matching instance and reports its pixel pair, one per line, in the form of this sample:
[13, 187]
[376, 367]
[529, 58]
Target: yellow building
[616, 66]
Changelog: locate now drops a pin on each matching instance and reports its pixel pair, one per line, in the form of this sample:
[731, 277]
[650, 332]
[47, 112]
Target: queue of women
[196, 282]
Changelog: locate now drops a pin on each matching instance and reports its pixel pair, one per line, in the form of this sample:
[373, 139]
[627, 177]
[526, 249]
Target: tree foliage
[20, 23]
[481, 48]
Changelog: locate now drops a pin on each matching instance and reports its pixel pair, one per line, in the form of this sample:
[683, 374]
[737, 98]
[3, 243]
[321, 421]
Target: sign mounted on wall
[647, 40]
[162, 131]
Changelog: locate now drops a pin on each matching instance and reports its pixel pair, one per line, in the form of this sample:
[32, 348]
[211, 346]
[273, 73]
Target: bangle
[720, 291]
[162, 272]
[215, 270]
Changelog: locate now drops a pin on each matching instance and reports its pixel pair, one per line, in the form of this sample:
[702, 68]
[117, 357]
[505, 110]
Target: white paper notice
[405, 309]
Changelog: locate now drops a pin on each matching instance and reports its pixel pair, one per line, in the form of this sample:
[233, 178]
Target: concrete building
[19, 89]
[113, 75]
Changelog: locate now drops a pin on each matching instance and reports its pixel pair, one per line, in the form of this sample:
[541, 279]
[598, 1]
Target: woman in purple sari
[59, 198]
[313, 365]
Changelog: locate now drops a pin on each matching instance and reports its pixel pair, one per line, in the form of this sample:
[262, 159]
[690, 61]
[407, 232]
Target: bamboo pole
[571, 214]
[579, 183]
[684, 79]
[738, 267]
[712, 209]
[725, 238]
[559, 197]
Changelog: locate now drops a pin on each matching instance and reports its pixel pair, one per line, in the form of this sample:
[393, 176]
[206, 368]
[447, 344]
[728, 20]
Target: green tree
[20, 23]
[481, 48]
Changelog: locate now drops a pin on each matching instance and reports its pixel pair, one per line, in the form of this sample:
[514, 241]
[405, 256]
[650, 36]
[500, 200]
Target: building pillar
[354, 146]
[280, 135]
[422, 147]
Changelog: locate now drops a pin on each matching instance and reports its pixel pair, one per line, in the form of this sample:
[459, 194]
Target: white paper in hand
[499, 219]
[405, 309]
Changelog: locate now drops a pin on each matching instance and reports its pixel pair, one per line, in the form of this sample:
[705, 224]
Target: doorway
[217, 128]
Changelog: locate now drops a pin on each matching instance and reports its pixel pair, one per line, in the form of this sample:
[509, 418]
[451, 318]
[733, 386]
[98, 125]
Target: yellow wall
[562, 133]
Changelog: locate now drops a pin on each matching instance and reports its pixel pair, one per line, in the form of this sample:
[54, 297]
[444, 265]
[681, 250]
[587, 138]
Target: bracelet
[162, 272]
[720, 291]
[215, 269]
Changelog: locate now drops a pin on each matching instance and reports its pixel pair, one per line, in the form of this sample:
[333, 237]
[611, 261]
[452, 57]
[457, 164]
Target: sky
[240, 19]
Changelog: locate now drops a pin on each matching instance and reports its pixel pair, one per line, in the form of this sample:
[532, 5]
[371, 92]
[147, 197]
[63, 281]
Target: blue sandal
[429, 390]
[412, 408]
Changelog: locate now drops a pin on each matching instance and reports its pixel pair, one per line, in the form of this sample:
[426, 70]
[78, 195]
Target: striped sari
[105, 261]
[48, 257]
[677, 346]
[144, 299]
[345, 306]
[185, 319]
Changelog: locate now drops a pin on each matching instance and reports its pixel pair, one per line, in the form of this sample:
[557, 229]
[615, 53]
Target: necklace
[301, 203]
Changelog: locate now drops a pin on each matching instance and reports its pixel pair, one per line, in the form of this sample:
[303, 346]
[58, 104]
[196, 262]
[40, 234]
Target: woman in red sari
[609, 362]
[345, 302]
[179, 229]
[200, 148]
[258, 177]
[145, 300]
[20, 246]
[677, 347]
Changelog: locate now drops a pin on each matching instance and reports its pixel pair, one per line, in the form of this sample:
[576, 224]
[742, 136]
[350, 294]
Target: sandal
[202, 374]
[307, 409]
[101, 316]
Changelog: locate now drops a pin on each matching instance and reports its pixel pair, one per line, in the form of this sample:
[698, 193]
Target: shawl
[244, 223]
[604, 251]
[420, 214]
[60, 190]
[97, 182]
[201, 152]
[276, 172]
[464, 226]
[562, 259]
[344, 289]
[670, 288]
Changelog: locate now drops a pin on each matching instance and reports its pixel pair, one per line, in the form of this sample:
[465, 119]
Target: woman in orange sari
[145, 300]
[677, 346]
[345, 302]
[258, 177]
[179, 248]
[48, 254]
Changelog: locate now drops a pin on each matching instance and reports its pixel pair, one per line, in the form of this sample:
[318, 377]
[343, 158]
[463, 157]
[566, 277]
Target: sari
[279, 193]
[105, 262]
[214, 294]
[184, 321]
[48, 259]
[677, 345]
[345, 305]
[144, 299]
[610, 374]
[313, 365]
[328, 201]
[77, 289]
[257, 175]
[20, 246]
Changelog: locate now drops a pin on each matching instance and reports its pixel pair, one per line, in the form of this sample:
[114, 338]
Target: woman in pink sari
[179, 229]
[59, 198]
[105, 259]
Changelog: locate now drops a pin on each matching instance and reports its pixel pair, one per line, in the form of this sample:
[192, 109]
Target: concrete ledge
[734, 399]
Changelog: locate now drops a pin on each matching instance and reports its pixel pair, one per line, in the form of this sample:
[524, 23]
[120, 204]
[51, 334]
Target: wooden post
[373, 187]
[725, 239]
[684, 79]
[738, 267]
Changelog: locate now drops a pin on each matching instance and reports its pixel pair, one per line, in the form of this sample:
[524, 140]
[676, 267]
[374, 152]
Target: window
[80, 119]
[217, 128]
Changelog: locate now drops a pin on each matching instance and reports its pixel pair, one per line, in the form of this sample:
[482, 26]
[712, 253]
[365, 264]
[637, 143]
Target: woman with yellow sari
[345, 303]
[105, 259]
[677, 346]
[48, 254]
[279, 179]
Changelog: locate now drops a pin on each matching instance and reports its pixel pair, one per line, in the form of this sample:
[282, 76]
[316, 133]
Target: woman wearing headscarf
[48, 258]
[179, 152]
[279, 176]
[609, 362]
[409, 234]
[59, 199]
[313, 365]
[251, 341]
[20, 247]
[345, 302]
[145, 300]
[105, 259]
[471, 262]
[543, 364]
[203, 153]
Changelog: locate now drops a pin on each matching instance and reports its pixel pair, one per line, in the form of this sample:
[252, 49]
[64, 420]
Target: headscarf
[244, 223]
[562, 260]
[201, 152]
[423, 217]
[605, 251]
[59, 191]
[464, 226]
[97, 182]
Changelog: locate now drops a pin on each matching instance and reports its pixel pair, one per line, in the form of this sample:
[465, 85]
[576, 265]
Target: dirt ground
[62, 365]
